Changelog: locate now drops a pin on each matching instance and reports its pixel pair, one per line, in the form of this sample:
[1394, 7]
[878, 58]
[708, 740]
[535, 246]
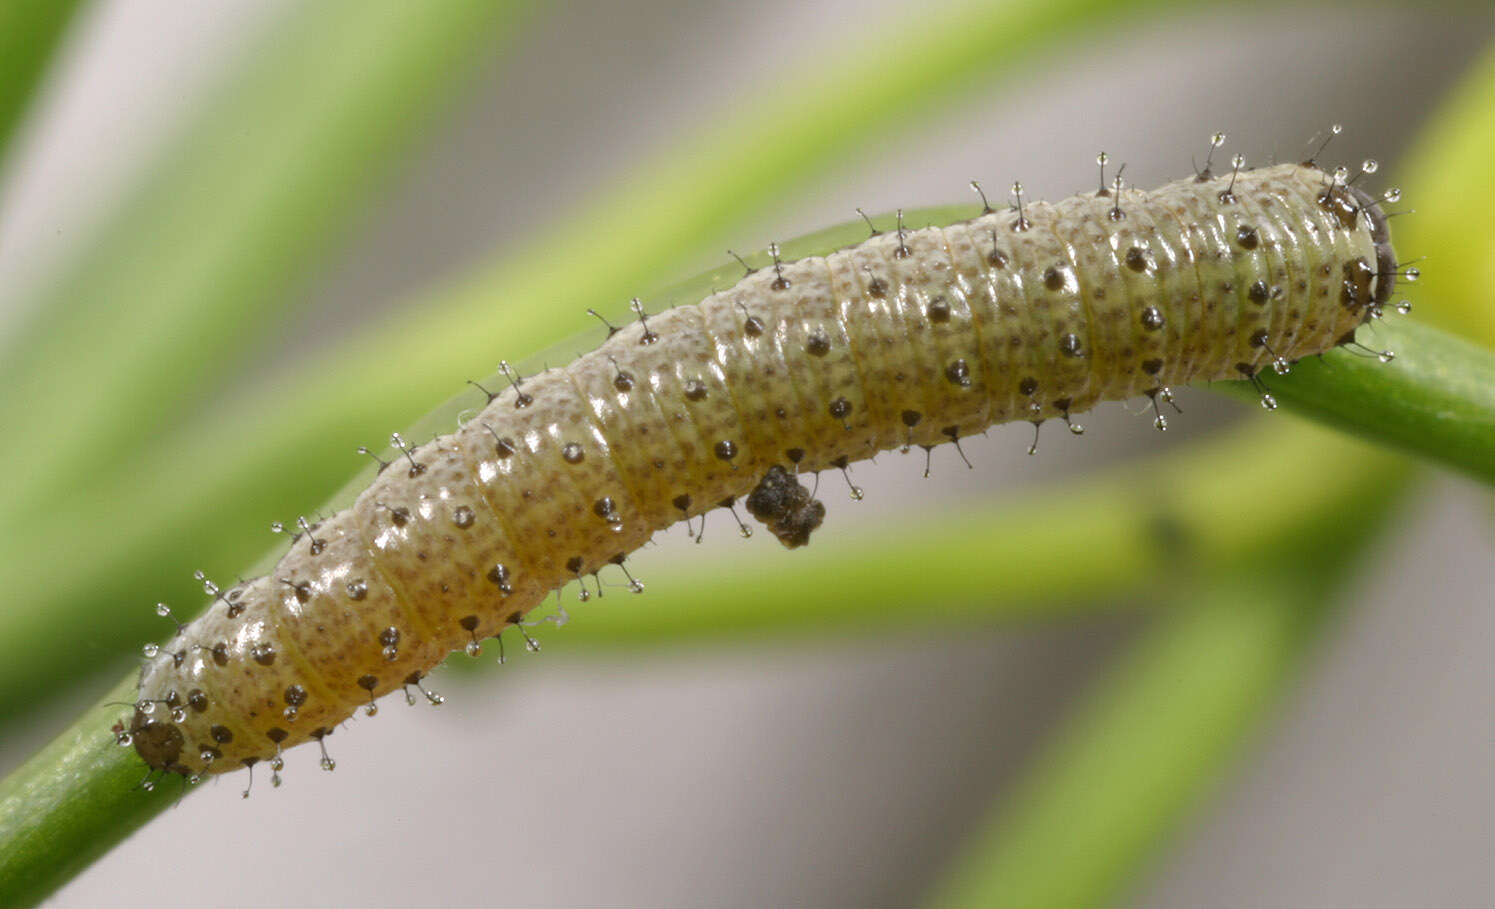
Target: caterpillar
[913, 337]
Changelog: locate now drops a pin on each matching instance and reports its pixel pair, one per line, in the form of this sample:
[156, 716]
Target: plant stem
[71, 803]
[1436, 399]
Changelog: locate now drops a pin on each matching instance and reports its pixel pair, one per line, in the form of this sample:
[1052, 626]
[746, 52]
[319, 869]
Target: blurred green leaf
[30, 32]
[1451, 188]
[1155, 736]
[206, 252]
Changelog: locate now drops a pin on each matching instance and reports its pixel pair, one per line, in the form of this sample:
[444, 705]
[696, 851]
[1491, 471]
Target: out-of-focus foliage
[29, 33]
[1453, 200]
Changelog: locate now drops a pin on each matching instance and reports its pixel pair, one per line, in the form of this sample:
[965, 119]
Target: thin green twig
[1436, 399]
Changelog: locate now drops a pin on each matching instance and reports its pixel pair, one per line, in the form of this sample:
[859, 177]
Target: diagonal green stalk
[29, 34]
[206, 252]
[71, 803]
[1151, 742]
[1436, 399]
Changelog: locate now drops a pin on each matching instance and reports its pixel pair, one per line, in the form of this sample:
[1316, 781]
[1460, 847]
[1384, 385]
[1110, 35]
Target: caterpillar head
[158, 743]
[1366, 288]
[1380, 235]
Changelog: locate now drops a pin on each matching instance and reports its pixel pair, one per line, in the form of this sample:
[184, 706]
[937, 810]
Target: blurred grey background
[785, 772]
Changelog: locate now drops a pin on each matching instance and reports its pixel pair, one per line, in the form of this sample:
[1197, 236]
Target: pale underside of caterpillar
[917, 337]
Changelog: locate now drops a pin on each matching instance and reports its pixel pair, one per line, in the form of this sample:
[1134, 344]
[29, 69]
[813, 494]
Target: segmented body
[916, 337]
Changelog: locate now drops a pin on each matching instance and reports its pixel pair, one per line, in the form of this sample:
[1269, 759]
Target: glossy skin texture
[917, 337]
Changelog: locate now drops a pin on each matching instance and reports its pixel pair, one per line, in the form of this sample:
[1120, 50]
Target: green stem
[71, 803]
[1436, 399]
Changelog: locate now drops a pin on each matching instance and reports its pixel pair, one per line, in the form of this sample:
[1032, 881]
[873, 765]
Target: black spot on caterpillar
[917, 337]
